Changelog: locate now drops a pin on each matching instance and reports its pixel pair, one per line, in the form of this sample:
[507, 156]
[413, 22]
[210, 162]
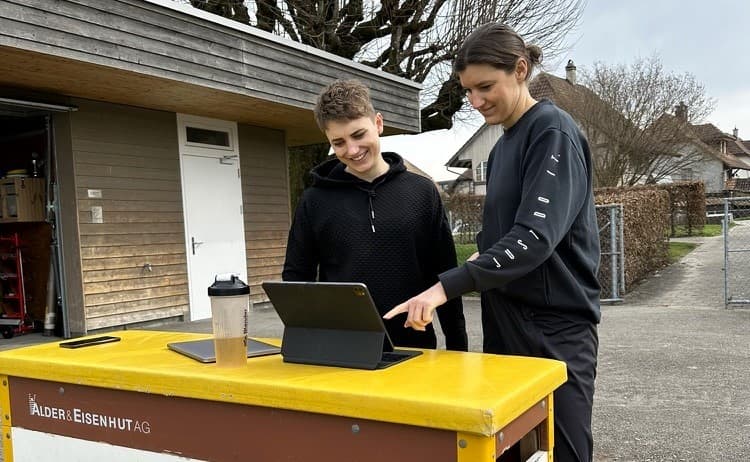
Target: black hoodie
[539, 242]
[391, 234]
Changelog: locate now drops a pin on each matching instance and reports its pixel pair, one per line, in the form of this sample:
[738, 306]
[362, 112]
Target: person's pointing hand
[419, 309]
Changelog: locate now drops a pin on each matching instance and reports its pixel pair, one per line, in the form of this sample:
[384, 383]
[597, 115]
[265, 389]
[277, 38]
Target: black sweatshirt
[539, 244]
[391, 234]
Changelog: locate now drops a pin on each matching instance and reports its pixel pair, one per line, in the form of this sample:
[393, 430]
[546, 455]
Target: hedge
[651, 214]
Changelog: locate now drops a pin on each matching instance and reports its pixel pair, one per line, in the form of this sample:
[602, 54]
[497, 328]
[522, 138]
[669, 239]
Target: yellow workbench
[137, 400]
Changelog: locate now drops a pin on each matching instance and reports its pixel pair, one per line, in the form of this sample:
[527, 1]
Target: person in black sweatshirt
[539, 245]
[366, 219]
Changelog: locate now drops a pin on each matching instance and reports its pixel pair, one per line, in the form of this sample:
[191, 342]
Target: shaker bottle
[229, 306]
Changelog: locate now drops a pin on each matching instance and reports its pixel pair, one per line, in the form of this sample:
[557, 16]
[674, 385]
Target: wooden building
[162, 133]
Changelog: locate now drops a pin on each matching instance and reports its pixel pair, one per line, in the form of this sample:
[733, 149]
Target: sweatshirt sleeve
[555, 184]
[450, 314]
[301, 262]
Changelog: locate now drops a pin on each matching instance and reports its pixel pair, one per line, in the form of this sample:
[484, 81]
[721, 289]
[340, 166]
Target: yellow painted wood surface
[467, 392]
[7, 454]
[550, 428]
[475, 448]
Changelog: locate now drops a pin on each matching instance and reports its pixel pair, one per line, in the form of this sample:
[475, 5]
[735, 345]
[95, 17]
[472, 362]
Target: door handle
[194, 244]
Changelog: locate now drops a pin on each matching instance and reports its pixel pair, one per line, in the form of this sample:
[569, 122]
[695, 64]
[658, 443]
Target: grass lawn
[678, 250]
[464, 251]
[709, 230]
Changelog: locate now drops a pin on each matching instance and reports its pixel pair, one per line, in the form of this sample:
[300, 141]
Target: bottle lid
[227, 286]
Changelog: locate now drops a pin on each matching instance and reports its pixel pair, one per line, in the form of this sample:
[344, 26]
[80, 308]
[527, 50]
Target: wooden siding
[265, 197]
[131, 156]
[170, 42]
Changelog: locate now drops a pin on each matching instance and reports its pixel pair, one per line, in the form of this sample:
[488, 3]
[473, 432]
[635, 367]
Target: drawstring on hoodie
[370, 195]
[333, 174]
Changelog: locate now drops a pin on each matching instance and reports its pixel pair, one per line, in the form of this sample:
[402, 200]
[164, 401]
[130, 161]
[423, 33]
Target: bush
[466, 217]
[646, 225]
[687, 206]
[651, 214]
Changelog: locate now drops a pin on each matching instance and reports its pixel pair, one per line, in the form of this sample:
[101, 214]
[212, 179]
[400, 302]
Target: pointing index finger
[397, 310]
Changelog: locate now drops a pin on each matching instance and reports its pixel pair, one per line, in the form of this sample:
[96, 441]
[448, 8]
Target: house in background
[161, 132]
[725, 143]
[473, 156]
[612, 138]
[713, 168]
[719, 156]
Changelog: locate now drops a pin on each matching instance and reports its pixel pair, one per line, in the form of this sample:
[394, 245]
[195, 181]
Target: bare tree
[631, 117]
[414, 39]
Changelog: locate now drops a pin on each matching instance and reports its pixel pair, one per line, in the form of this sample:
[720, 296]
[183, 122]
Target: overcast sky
[706, 39]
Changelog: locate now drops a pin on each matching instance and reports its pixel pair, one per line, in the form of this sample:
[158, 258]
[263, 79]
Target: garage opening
[31, 283]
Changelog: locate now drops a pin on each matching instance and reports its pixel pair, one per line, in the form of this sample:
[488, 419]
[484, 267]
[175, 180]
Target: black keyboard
[389, 357]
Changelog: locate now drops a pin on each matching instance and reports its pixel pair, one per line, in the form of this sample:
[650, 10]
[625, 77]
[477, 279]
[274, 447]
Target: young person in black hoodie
[366, 219]
[539, 246]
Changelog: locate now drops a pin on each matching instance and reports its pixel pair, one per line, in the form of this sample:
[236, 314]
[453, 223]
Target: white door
[214, 225]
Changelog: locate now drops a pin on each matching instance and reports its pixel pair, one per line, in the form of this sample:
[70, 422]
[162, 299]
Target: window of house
[480, 172]
[723, 147]
[206, 136]
[197, 135]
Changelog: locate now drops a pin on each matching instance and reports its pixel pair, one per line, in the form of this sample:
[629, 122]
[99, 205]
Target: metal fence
[612, 263]
[464, 230]
[736, 250]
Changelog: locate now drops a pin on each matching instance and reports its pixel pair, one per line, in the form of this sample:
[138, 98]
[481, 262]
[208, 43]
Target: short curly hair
[343, 100]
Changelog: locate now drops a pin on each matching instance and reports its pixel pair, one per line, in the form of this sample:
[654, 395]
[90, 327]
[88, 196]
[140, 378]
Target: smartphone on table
[89, 341]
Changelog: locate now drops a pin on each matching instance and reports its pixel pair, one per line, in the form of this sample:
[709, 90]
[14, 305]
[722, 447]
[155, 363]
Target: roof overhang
[163, 55]
[459, 163]
[42, 73]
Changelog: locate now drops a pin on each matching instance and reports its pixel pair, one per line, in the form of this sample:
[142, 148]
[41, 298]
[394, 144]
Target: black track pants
[510, 328]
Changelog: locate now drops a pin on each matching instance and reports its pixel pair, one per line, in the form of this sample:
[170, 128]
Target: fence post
[612, 215]
[621, 212]
[725, 231]
[613, 250]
